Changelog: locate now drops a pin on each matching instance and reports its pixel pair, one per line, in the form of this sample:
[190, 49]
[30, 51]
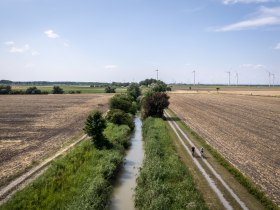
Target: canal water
[123, 193]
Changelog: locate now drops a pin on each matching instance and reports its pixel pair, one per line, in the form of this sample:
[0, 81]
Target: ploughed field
[33, 127]
[245, 129]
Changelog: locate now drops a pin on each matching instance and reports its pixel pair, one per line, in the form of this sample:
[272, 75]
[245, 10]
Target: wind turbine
[193, 78]
[269, 75]
[273, 78]
[236, 75]
[157, 73]
[228, 78]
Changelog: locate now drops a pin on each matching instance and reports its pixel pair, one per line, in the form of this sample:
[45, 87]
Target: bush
[32, 90]
[119, 117]
[57, 90]
[134, 91]
[123, 102]
[5, 89]
[159, 86]
[154, 104]
[94, 127]
[110, 89]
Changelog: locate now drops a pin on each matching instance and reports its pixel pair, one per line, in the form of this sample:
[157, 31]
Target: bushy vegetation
[94, 127]
[110, 89]
[154, 103]
[33, 90]
[7, 89]
[74, 91]
[123, 102]
[164, 181]
[57, 90]
[134, 91]
[147, 82]
[119, 117]
[80, 180]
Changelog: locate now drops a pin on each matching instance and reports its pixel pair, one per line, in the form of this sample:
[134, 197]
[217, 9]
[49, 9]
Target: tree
[110, 89]
[57, 90]
[5, 89]
[94, 127]
[159, 86]
[133, 90]
[154, 104]
[123, 102]
[119, 117]
[32, 90]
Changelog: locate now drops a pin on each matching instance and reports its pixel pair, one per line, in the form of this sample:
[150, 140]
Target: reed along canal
[123, 193]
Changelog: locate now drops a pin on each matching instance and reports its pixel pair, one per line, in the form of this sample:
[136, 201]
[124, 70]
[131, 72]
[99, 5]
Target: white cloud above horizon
[51, 34]
[265, 17]
[245, 1]
[277, 47]
[252, 66]
[9, 43]
[110, 66]
[22, 49]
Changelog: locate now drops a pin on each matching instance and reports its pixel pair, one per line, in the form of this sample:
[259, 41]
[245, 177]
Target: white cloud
[265, 17]
[51, 34]
[9, 43]
[34, 52]
[23, 49]
[110, 66]
[245, 1]
[277, 47]
[253, 66]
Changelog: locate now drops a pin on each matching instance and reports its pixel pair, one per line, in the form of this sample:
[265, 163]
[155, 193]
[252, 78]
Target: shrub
[122, 102]
[110, 89]
[57, 90]
[134, 91]
[94, 127]
[119, 117]
[154, 104]
[159, 86]
[32, 90]
[5, 89]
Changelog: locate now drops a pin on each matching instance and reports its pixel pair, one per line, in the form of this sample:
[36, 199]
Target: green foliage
[94, 127]
[57, 90]
[122, 102]
[32, 90]
[154, 103]
[5, 89]
[134, 91]
[118, 134]
[164, 181]
[147, 82]
[119, 117]
[110, 89]
[73, 91]
[159, 86]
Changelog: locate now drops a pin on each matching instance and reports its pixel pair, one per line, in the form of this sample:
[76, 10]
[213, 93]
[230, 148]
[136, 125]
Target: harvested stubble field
[245, 129]
[32, 127]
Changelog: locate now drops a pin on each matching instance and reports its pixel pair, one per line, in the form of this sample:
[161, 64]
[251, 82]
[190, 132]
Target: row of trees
[123, 107]
[7, 89]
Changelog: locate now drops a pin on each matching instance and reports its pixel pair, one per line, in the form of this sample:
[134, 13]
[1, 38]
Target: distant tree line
[7, 89]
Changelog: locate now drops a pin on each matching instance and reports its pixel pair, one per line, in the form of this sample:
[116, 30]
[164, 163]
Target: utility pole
[228, 78]
[193, 78]
[157, 73]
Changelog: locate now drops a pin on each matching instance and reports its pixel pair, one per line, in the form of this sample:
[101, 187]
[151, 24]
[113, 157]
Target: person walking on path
[193, 150]
[202, 152]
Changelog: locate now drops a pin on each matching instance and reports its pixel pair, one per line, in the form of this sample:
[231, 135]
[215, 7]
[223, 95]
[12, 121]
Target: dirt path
[11, 188]
[206, 175]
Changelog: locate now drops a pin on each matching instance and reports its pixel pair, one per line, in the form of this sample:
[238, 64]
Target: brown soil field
[244, 129]
[33, 127]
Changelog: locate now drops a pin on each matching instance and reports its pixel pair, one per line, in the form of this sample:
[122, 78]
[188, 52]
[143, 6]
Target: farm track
[245, 129]
[34, 127]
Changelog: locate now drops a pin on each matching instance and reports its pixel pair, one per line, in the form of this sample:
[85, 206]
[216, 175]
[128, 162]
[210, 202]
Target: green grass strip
[241, 178]
[164, 181]
[82, 179]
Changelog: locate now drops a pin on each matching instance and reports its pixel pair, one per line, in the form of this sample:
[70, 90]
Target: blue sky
[127, 40]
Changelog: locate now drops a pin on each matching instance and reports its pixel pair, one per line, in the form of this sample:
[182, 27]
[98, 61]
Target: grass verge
[241, 178]
[82, 179]
[164, 181]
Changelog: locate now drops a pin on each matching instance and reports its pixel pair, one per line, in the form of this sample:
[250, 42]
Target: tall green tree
[133, 90]
[94, 127]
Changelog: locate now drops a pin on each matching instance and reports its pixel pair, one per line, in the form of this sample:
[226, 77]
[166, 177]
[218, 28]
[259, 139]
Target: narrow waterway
[123, 194]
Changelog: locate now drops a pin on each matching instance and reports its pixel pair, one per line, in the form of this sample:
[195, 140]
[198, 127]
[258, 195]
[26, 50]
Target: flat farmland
[32, 127]
[244, 129]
